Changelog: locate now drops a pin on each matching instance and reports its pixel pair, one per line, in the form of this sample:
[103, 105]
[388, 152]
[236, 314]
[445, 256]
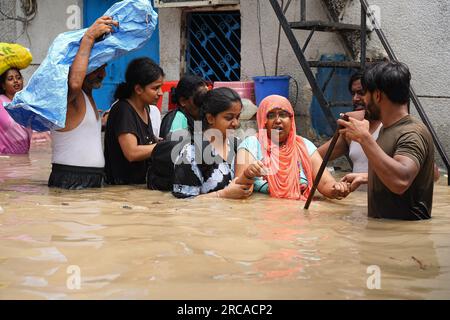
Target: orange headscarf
[284, 162]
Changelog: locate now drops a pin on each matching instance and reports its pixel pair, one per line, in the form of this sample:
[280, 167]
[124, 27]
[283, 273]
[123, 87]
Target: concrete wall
[170, 42]
[51, 20]
[7, 28]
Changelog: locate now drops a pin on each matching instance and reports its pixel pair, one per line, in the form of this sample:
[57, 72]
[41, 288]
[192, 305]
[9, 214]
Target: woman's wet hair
[214, 102]
[392, 78]
[187, 87]
[3, 78]
[141, 71]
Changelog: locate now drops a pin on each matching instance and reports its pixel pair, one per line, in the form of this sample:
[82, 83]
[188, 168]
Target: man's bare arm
[340, 149]
[79, 67]
[342, 145]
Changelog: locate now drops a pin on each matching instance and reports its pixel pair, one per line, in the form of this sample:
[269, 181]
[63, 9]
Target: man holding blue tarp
[78, 160]
[58, 96]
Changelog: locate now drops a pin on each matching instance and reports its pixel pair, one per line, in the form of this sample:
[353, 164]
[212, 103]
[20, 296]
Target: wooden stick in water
[324, 163]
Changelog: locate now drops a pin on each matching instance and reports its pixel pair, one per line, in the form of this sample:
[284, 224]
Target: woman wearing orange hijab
[282, 163]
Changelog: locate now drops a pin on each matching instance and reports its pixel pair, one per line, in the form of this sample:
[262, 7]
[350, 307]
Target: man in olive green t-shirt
[401, 161]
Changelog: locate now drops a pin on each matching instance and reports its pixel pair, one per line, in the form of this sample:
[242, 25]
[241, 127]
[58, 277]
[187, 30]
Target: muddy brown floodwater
[132, 243]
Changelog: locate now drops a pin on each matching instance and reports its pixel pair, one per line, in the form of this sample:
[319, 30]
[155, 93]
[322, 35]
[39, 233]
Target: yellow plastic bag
[14, 56]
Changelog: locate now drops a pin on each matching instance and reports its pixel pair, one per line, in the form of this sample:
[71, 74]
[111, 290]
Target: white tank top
[357, 155]
[82, 146]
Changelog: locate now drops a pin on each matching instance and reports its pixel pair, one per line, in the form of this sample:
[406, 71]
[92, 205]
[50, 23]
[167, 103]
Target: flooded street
[132, 243]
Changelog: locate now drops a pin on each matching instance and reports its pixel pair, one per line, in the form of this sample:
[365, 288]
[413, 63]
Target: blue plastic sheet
[42, 104]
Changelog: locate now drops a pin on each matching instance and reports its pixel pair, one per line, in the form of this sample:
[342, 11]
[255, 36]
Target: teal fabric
[180, 122]
[252, 145]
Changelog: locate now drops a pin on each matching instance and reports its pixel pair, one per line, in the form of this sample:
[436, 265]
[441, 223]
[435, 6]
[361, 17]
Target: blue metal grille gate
[214, 45]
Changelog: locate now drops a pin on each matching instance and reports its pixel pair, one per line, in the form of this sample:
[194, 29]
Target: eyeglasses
[281, 114]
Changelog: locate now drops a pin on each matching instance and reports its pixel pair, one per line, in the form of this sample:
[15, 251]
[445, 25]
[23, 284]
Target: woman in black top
[204, 167]
[129, 138]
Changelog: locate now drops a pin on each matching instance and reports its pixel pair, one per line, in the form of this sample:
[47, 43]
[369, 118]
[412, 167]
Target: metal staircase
[328, 26]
